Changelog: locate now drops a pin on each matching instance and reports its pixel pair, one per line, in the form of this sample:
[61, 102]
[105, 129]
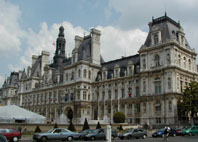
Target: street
[170, 139]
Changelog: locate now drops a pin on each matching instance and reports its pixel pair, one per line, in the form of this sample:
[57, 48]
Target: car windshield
[96, 131]
[160, 130]
[50, 130]
[128, 131]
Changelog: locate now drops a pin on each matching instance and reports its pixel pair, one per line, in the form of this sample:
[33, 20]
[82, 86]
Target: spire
[165, 14]
[61, 32]
[60, 47]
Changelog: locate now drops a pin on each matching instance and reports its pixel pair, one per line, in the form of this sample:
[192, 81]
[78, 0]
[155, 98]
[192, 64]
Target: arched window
[184, 62]
[157, 60]
[158, 106]
[89, 74]
[144, 63]
[79, 73]
[157, 85]
[179, 60]
[168, 58]
[85, 73]
[144, 86]
[144, 107]
[169, 83]
[189, 64]
[170, 105]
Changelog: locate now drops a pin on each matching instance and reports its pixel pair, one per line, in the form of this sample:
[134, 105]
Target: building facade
[145, 86]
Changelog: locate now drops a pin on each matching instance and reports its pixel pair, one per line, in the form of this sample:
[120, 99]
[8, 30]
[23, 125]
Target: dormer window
[157, 60]
[156, 39]
[144, 63]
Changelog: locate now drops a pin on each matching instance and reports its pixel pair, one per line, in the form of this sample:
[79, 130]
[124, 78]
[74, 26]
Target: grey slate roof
[123, 62]
[169, 29]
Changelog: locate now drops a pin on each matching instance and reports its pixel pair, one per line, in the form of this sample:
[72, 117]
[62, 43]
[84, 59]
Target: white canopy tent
[15, 113]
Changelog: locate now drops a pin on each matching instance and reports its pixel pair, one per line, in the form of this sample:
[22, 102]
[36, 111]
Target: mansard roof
[84, 51]
[123, 62]
[169, 30]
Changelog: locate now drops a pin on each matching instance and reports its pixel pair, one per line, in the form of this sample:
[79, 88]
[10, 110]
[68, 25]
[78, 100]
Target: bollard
[108, 134]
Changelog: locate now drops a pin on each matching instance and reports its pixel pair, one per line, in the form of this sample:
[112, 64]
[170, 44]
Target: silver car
[133, 133]
[56, 134]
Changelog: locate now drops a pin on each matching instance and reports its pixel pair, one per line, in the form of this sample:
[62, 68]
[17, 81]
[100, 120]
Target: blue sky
[29, 26]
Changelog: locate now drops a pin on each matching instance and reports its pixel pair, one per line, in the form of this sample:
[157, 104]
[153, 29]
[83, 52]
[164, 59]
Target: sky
[29, 26]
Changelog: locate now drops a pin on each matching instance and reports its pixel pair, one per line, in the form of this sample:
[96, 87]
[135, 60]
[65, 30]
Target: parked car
[11, 134]
[100, 134]
[56, 134]
[3, 138]
[133, 133]
[84, 133]
[193, 130]
[160, 133]
[179, 130]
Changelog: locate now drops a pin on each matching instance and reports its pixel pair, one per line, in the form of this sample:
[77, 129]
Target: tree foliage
[71, 127]
[188, 103]
[98, 126]
[86, 125]
[119, 117]
[37, 129]
[70, 115]
[55, 125]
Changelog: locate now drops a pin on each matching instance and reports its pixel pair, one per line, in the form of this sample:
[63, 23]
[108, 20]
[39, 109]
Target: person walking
[166, 133]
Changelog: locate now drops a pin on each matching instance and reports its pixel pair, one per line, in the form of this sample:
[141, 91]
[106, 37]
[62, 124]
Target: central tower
[60, 47]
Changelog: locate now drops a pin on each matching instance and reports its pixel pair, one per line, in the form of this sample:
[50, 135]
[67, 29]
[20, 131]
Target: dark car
[100, 134]
[133, 133]
[11, 134]
[179, 130]
[3, 138]
[161, 133]
[56, 134]
[84, 133]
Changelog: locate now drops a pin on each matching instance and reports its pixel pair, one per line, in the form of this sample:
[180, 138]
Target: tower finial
[165, 14]
[152, 18]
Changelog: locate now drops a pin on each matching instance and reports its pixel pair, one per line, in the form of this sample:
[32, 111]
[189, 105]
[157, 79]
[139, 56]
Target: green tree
[188, 103]
[37, 129]
[70, 114]
[86, 125]
[55, 125]
[119, 117]
[71, 127]
[98, 126]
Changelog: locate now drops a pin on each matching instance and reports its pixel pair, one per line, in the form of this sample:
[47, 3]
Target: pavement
[170, 139]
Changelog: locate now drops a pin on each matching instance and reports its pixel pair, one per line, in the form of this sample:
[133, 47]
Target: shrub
[86, 125]
[37, 129]
[120, 128]
[98, 125]
[71, 127]
[119, 117]
[55, 125]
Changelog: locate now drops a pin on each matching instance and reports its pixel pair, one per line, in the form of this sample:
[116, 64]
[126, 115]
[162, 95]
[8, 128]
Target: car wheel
[144, 136]
[174, 135]
[69, 138]
[190, 134]
[44, 139]
[15, 139]
[92, 138]
[163, 136]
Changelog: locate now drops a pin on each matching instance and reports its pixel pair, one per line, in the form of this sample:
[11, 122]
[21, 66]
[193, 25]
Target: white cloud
[116, 43]
[137, 13]
[10, 31]
[1, 80]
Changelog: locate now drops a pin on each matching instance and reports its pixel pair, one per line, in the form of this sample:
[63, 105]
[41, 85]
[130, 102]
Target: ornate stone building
[145, 86]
